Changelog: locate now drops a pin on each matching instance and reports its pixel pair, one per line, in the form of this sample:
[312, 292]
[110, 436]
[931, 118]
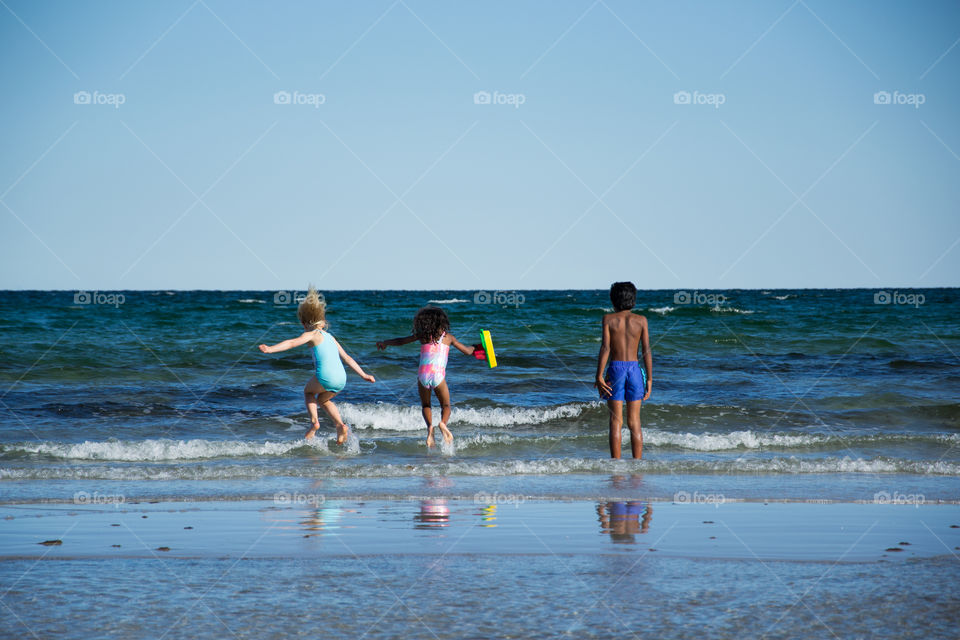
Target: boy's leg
[310, 391]
[426, 412]
[616, 423]
[325, 400]
[443, 395]
[633, 422]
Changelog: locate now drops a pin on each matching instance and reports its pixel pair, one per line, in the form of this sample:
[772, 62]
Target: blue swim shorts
[627, 379]
[624, 509]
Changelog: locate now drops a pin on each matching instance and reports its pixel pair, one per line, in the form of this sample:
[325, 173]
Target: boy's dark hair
[430, 323]
[623, 295]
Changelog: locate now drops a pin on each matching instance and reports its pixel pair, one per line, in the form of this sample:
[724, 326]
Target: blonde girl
[329, 377]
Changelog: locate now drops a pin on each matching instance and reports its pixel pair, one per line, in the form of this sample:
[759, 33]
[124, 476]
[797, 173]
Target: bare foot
[447, 436]
[312, 432]
[431, 443]
[343, 431]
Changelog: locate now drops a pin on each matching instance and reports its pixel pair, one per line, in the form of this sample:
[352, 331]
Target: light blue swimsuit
[327, 364]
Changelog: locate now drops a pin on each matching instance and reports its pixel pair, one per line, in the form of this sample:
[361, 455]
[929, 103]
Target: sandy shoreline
[306, 526]
[442, 568]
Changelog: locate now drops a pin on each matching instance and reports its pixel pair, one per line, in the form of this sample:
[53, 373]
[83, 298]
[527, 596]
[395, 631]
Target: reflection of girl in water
[433, 514]
[622, 520]
[324, 518]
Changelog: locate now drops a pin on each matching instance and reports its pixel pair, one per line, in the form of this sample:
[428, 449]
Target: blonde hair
[313, 310]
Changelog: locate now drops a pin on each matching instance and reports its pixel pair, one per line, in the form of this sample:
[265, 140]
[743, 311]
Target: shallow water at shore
[446, 568]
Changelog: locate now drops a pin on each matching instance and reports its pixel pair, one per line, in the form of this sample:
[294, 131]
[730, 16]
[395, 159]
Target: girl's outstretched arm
[350, 362]
[460, 346]
[395, 342]
[287, 344]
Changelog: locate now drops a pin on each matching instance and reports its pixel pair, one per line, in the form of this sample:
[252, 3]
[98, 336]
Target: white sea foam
[722, 309]
[661, 310]
[397, 418]
[448, 301]
[445, 466]
[447, 448]
[252, 301]
[163, 449]
[352, 445]
[733, 440]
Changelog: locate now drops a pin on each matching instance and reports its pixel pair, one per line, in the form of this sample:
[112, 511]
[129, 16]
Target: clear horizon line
[490, 289]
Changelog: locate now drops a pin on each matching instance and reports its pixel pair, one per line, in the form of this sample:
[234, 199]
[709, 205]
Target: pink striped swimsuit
[433, 363]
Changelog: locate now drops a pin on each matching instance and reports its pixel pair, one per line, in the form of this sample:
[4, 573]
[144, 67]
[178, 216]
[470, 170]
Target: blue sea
[800, 471]
[793, 394]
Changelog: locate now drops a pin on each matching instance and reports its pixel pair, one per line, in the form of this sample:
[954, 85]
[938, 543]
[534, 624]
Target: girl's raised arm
[287, 344]
[350, 362]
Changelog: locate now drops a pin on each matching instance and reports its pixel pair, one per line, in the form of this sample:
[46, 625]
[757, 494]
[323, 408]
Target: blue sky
[385, 169]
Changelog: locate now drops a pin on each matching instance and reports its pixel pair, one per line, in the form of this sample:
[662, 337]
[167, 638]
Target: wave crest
[396, 418]
[162, 449]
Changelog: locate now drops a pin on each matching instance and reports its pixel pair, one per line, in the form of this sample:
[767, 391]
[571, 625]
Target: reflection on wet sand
[623, 520]
[632, 482]
[322, 519]
[433, 514]
[488, 516]
[311, 515]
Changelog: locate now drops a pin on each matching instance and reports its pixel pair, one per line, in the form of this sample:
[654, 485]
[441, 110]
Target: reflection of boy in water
[627, 484]
[622, 519]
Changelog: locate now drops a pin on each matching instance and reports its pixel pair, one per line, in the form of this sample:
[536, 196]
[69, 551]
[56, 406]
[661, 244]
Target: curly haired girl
[430, 327]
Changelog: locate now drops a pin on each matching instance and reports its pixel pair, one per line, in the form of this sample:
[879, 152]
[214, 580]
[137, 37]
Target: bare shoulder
[637, 321]
[449, 338]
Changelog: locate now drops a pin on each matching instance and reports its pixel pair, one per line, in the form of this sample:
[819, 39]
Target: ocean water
[819, 394]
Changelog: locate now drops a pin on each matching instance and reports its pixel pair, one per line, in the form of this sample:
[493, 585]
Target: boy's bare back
[623, 331]
[625, 337]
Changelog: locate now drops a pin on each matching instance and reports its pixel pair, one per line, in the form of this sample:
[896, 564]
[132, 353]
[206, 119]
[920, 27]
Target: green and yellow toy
[484, 350]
